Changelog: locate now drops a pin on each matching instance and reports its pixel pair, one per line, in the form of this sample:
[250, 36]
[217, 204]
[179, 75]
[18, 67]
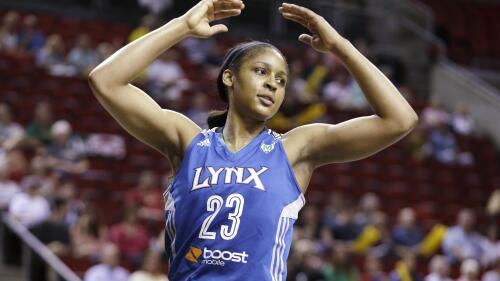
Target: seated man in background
[439, 269]
[130, 237]
[11, 133]
[462, 241]
[30, 207]
[109, 269]
[53, 233]
[67, 152]
[406, 234]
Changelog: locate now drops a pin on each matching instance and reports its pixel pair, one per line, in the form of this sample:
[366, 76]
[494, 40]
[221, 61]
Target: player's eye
[260, 70]
[281, 81]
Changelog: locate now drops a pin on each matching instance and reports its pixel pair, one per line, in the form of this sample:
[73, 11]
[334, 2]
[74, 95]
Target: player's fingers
[298, 10]
[306, 38]
[296, 19]
[228, 4]
[226, 13]
[218, 28]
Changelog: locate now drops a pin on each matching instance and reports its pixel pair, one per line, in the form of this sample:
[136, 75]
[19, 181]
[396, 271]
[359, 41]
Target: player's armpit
[358, 138]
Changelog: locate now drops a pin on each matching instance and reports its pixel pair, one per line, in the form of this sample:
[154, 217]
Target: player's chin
[265, 113]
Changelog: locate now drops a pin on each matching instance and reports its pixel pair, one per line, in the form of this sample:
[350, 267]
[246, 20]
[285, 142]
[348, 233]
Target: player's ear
[227, 78]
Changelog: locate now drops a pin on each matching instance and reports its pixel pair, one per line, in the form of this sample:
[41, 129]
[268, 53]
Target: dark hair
[233, 60]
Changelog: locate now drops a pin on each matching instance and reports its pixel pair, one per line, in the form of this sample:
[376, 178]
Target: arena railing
[33, 243]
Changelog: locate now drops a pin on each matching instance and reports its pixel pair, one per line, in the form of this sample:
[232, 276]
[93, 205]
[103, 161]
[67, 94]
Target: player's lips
[266, 99]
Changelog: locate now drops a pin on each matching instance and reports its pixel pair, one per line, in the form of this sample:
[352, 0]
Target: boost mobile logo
[215, 257]
[193, 254]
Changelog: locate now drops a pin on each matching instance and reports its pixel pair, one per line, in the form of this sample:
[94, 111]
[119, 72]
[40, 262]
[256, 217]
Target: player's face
[259, 85]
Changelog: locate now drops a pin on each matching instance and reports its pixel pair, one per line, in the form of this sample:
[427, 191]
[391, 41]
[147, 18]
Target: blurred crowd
[344, 239]
[349, 240]
[40, 192]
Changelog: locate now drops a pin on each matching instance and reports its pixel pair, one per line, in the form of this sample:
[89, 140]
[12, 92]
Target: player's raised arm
[354, 139]
[167, 131]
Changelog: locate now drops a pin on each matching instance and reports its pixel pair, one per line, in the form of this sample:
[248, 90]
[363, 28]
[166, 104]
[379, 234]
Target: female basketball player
[238, 187]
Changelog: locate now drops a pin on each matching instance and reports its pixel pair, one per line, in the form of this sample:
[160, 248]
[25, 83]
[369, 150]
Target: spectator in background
[156, 6]
[148, 23]
[373, 270]
[30, 38]
[443, 144]
[166, 77]
[130, 236]
[296, 88]
[197, 50]
[492, 241]
[304, 263]
[344, 92]
[11, 133]
[198, 112]
[17, 164]
[54, 234]
[150, 270]
[88, 234]
[8, 38]
[362, 44]
[8, 188]
[214, 59]
[493, 274]
[374, 238]
[338, 91]
[491, 245]
[82, 56]
[38, 131]
[368, 206]
[406, 234]
[30, 207]
[309, 222]
[342, 267]
[40, 171]
[318, 70]
[469, 270]
[439, 269]
[294, 113]
[461, 241]
[103, 51]
[434, 115]
[342, 227]
[462, 121]
[147, 197]
[405, 269]
[67, 192]
[52, 57]
[67, 154]
[106, 145]
[109, 269]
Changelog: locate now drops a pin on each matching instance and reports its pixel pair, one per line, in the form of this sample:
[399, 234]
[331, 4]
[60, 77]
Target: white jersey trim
[170, 219]
[289, 212]
[292, 210]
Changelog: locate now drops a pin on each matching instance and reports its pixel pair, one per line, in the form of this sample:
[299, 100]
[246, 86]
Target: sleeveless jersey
[229, 216]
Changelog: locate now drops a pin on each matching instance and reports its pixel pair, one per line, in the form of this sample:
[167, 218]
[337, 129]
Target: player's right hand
[198, 18]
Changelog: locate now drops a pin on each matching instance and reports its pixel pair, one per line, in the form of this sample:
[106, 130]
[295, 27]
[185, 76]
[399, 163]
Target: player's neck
[238, 131]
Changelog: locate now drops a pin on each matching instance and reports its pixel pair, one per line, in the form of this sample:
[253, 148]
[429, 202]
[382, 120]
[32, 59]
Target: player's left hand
[324, 37]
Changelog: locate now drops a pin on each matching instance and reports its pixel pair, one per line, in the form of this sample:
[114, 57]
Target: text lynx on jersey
[231, 175]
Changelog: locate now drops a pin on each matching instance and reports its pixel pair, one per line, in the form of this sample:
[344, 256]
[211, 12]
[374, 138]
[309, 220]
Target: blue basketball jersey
[229, 216]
